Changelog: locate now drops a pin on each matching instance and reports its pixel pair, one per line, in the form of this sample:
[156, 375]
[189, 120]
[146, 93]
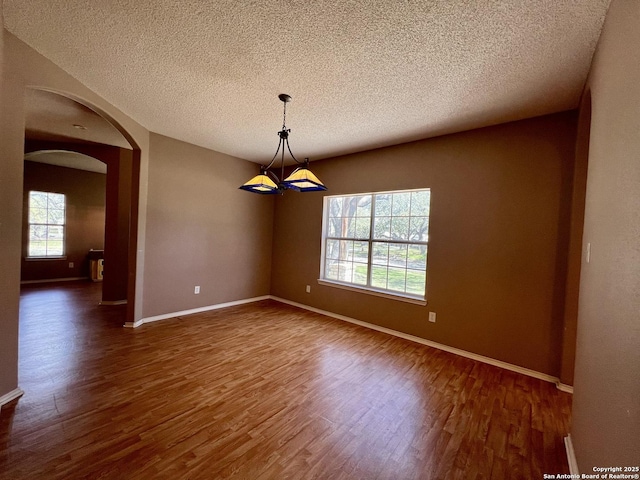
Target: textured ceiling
[63, 158]
[361, 74]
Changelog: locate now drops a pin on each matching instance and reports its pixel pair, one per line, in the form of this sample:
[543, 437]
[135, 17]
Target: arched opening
[56, 122]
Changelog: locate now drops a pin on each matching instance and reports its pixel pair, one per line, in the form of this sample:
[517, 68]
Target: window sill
[37, 259]
[370, 291]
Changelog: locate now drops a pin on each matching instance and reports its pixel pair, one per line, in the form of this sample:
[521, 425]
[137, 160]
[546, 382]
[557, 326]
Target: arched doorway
[55, 121]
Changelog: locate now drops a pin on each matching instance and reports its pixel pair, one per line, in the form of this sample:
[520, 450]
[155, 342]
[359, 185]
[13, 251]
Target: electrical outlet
[70, 264]
[432, 317]
[196, 290]
[308, 288]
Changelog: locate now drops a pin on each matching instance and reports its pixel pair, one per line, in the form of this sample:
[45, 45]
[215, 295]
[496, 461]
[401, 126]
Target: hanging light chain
[301, 178]
[284, 117]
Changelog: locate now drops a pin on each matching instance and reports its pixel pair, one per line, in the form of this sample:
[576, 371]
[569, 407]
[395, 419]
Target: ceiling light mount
[301, 179]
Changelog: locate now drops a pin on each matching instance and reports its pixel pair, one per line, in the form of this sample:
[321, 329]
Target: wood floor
[262, 391]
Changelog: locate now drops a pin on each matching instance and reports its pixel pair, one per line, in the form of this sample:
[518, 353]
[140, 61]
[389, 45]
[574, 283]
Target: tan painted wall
[22, 67]
[499, 231]
[606, 405]
[575, 242]
[202, 230]
[85, 195]
[227, 231]
[10, 222]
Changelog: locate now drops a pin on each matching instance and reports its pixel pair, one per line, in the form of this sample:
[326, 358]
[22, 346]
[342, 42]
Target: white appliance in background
[96, 265]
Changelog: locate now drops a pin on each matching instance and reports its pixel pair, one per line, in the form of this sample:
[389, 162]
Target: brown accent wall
[120, 193]
[499, 233]
[116, 253]
[202, 230]
[606, 404]
[85, 217]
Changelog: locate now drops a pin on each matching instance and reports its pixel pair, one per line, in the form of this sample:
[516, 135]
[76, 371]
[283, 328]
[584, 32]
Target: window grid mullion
[350, 239]
[400, 242]
[370, 253]
[371, 239]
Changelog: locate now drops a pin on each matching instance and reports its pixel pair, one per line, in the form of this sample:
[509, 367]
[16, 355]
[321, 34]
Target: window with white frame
[46, 224]
[377, 241]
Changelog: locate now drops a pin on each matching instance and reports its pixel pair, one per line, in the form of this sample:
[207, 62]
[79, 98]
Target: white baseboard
[563, 387]
[165, 316]
[112, 302]
[53, 280]
[571, 456]
[463, 353]
[7, 397]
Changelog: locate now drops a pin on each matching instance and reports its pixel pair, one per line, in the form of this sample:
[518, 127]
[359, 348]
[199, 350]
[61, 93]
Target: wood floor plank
[261, 391]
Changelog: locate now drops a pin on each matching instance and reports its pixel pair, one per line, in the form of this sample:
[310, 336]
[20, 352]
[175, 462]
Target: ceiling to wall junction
[361, 74]
[68, 159]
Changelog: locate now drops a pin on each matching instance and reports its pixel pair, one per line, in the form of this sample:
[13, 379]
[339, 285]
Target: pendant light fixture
[301, 179]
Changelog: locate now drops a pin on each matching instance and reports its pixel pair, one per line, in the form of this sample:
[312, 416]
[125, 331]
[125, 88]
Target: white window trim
[372, 291]
[50, 257]
[366, 289]
[63, 225]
